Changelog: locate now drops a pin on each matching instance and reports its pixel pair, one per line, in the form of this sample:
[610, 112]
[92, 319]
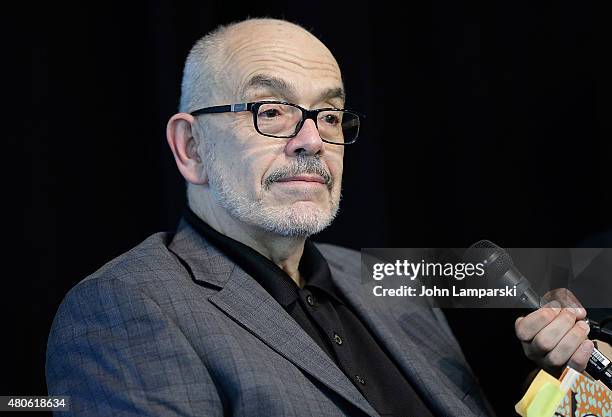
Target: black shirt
[321, 311]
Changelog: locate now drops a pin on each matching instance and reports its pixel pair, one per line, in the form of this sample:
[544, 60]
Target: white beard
[292, 221]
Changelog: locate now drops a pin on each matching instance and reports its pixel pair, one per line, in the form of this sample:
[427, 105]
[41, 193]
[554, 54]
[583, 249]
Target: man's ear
[180, 136]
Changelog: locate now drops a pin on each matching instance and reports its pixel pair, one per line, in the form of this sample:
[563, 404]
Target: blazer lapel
[444, 397]
[246, 302]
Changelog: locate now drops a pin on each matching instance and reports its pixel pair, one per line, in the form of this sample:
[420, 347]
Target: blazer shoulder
[125, 281]
[148, 261]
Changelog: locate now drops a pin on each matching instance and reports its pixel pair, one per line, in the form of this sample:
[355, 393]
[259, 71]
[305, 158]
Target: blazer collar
[205, 262]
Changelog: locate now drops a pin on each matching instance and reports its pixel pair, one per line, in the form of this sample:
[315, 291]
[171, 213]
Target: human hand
[556, 336]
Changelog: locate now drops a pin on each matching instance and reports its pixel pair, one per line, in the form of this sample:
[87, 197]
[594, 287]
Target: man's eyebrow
[274, 84]
[333, 93]
[286, 90]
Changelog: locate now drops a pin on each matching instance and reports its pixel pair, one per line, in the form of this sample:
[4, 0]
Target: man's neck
[285, 252]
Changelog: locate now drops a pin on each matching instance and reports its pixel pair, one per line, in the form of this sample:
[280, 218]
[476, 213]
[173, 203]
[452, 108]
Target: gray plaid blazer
[175, 328]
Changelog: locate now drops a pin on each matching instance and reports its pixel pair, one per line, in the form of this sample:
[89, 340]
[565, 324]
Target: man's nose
[307, 141]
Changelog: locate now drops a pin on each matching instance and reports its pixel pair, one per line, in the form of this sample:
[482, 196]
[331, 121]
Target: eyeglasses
[278, 119]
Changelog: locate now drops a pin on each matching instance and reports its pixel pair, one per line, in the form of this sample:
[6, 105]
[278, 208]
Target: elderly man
[238, 312]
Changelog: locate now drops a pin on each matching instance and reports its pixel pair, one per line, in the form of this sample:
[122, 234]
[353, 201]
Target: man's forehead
[279, 57]
[257, 38]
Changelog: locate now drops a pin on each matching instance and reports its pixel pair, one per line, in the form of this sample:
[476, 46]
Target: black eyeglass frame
[254, 106]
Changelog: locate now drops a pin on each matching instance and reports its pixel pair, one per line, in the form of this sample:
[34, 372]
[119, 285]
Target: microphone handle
[599, 368]
[600, 333]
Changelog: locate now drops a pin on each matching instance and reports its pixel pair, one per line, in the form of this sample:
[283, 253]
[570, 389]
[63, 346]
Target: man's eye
[331, 119]
[269, 113]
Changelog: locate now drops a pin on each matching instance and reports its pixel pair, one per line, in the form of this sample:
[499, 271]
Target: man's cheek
[337, 176]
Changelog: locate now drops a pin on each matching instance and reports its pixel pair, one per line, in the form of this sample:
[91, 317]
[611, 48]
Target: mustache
[300, 165]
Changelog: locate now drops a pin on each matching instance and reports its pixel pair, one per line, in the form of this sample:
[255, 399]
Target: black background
[486, 119]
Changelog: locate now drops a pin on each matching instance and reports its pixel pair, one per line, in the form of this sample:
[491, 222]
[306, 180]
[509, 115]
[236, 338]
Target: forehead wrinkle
[282, 57]
[230, 52]
[233, 50]
[278, 81]
[275, 65]
[277, 71]
[296, 55]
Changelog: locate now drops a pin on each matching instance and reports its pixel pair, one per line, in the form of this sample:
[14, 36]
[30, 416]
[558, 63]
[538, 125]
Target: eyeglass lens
[281, 120]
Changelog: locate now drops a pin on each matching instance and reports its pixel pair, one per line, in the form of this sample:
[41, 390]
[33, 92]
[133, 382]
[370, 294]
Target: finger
[580, 358]
[566, 299]
[517, 321]
[528, 327]
[567, 346]
[580, 313]
[550, 336]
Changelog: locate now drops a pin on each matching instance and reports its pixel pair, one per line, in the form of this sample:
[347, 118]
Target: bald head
[232, 61]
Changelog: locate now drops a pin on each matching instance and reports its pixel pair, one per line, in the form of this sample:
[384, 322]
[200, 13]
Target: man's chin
[299, 219]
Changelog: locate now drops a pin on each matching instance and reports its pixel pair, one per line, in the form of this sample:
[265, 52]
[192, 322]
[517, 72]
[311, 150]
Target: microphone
[500, 271]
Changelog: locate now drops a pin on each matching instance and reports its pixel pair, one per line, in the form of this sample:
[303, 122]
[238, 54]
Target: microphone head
[495, 259]
[500, 271]
[485, 244]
